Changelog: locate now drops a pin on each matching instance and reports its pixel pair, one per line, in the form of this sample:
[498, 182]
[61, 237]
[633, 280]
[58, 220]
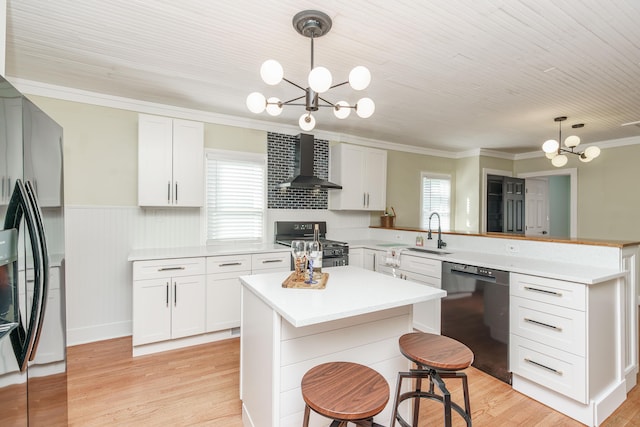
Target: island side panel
[370, 339]
[259, 353]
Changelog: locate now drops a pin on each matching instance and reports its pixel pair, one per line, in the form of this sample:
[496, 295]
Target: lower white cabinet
[223, 290]
[427, 271]
[356, 257]
[168, 299]
[564, 339]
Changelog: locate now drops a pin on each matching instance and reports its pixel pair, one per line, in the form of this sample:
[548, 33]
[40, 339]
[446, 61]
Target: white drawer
[558, 327]
[228, 263]
[557, 292]
[175, 267]
[416, 264]
[271, 261]
[562, 372]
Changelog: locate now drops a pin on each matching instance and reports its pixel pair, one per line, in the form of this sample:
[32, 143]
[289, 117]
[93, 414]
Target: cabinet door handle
[169, 192]
[167, 300]
[546, 325]
[176, 192]
[364, 200]
[270, 261]
[170, 268]
[540, 365]
[367, 199]
[543, 291]
[229, 264]
[175, 294]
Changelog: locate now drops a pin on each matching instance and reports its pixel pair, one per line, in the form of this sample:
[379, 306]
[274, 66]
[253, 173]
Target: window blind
[235, 186]
[436, 197]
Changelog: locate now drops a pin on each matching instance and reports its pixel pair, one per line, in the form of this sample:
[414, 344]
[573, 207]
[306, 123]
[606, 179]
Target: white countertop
[586, 274]
[350, 291]
[199, 251]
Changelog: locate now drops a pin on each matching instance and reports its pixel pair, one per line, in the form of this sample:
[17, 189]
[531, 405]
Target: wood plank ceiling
[446, 74]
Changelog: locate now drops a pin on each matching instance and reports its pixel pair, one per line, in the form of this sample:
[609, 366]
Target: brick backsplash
[280, 166]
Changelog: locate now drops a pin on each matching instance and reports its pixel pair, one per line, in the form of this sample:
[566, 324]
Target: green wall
[559, 206]
[100, 155]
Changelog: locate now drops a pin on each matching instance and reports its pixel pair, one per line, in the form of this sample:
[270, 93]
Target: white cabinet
[427, 271]
[168, 299]
[270, 261]
[356, 257]
[170, 162]
[362, 172]
[223, 290]
[369, 258]
[563, 336]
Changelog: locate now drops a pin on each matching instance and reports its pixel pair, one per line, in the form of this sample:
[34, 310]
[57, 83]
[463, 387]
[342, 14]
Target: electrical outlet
[512, 248]
[397, 237]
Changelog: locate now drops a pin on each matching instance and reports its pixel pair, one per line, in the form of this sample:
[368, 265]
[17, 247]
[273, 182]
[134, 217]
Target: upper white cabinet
[170, 162]
[362, 172]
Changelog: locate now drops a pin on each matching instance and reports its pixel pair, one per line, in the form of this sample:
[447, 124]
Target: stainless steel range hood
[303, 176]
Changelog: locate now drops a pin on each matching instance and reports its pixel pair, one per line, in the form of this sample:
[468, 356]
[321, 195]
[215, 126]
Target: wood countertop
[551, 239]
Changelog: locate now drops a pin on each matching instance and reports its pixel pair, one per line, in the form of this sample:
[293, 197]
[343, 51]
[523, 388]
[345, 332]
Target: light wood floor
[198, 386]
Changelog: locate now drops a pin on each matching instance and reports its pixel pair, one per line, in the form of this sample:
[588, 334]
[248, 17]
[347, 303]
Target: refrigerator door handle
[44, 264]
[22, 339]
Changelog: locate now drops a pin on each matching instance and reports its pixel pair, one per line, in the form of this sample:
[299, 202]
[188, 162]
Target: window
[435, 197]
[235, 193]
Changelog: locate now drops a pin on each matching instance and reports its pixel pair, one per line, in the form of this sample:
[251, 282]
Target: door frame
[483, 201]
[573, 202]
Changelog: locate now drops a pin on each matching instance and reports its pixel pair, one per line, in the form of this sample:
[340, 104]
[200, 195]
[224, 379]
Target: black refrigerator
[33, 369]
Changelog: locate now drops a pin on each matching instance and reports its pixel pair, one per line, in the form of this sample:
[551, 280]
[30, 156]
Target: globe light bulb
[359, 78]
[550, 146]
[592, 152]
[584, 158]
[342, 110]
[274, 107]
[307, 122]
[271, 72]
[551, 155]
[320, 79]
[365, 108]
[559, 160]
[256, 102]
[572, 141]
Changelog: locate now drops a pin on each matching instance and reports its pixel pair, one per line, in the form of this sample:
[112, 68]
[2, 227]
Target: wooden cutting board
[290, 282]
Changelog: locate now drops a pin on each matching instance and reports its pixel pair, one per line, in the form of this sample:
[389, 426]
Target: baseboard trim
[141, 350]
[95, 333]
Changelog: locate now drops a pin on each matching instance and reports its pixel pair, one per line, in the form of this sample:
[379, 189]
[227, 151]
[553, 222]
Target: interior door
[537, 206]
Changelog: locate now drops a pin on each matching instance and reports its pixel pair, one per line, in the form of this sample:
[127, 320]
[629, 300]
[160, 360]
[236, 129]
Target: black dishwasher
[476, 313]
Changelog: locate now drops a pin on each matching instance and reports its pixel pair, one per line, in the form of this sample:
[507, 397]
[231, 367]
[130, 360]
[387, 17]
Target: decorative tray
[321, 280]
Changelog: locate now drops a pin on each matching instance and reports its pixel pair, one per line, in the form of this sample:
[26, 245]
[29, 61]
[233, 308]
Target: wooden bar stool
[436, 357]
[345, 392]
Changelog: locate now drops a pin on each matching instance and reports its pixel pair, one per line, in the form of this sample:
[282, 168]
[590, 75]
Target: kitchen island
[358, 317]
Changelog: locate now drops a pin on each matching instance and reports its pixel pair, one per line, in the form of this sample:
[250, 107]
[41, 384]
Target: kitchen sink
[429, 251]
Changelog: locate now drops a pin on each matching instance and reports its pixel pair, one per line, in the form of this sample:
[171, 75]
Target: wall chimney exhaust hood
[303, 176]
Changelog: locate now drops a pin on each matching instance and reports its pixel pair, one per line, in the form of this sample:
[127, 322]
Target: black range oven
[334, 253]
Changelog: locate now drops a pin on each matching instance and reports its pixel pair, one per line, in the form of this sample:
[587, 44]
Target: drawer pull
[270, 261]
[546, 325]
[229, 264]
[543, 291]
[540, 365]
[170, 268]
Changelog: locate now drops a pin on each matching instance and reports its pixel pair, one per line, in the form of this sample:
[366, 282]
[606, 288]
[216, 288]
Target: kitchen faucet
[441, 243]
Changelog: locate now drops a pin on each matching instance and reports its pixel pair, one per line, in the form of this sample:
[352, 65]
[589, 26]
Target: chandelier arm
[311, 37]
[289, 102]
[339, 84]
[294, 84]
[331, 104]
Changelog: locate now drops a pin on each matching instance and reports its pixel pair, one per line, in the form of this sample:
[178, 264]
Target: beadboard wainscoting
[100, 238]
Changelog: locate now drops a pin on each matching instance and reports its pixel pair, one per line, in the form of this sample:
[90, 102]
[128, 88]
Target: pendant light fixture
[556, 152]
[312, 24]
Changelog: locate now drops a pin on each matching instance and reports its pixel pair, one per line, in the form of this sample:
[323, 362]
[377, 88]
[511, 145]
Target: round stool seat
[435, 351]
[345, 391]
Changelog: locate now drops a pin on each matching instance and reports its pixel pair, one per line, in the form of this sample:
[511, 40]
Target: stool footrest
[434, 377]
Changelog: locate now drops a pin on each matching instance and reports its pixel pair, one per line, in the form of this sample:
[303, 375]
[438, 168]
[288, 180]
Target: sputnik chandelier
[556, 152]
[312, 24]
